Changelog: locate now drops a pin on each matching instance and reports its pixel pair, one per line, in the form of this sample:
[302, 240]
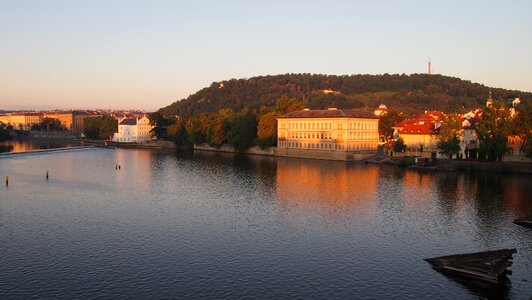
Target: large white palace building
[328, 130]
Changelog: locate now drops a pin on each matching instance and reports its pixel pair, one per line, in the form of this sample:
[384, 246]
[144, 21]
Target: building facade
[133, 130]
[328, 130]
[21, 121]
[420, 134]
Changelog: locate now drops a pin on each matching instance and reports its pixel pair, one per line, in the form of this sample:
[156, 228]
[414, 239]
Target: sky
[111, 54]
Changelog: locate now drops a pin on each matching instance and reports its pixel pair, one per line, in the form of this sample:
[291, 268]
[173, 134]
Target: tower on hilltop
[429, 67]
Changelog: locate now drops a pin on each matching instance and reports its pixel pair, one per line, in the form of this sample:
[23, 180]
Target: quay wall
[295, 153]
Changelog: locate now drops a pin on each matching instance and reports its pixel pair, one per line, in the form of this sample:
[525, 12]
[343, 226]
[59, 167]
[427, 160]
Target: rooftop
[330, 113]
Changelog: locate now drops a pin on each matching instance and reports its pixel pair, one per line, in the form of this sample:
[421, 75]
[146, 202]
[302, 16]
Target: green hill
[413, 93]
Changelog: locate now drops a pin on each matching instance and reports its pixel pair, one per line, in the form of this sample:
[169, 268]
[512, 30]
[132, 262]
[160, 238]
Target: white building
[133, 130]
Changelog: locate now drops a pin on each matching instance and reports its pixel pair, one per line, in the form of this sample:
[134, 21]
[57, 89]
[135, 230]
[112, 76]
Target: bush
[405, 161]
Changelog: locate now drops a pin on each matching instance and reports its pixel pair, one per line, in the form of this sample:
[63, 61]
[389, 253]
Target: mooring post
[7, 180]
[46, 174]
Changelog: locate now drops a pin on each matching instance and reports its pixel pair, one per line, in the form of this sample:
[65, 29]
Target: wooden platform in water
[488, 266]
[527, 222]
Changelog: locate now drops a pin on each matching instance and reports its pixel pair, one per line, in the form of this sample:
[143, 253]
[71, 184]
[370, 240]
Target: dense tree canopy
[242, 133]
[50, 124]
[449, 135]
[493, 130]
[267, 130]
[523, 127]
[387, 121]
[101, 127]
[413, 93]
[4, 133]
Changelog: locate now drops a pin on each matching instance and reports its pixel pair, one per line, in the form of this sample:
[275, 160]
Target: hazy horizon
[148, 54]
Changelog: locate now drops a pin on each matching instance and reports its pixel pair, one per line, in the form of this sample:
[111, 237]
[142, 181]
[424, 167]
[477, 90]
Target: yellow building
[21, 121]
[328, 130]
[72, 120]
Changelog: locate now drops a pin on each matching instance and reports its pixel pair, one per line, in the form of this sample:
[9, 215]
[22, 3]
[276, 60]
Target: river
[210, 225]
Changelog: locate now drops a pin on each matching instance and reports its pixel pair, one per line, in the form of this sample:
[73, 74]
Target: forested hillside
[406, 93]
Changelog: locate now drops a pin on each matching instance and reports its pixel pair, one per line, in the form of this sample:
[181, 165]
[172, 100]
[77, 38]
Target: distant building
[469, 143]
[133, 130]
[72, 121]
[21, 121]
[328, 130]
[381, 110]
[420, 133]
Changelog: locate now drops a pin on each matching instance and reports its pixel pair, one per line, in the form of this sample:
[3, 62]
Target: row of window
[328, 135]
[352, 125]
[329, 146]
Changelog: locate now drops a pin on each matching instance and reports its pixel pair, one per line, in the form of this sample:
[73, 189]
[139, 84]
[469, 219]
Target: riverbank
[449, 165]
[522, 167]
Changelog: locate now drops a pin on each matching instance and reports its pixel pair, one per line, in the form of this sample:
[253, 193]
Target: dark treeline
[409, 94]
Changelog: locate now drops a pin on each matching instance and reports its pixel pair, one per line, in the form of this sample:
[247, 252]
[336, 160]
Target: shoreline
[445, 165]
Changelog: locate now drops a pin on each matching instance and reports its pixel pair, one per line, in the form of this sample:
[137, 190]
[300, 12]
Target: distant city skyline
[147, 54]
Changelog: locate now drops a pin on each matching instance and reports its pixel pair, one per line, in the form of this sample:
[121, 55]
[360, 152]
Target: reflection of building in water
[324, 184]
[135, 168]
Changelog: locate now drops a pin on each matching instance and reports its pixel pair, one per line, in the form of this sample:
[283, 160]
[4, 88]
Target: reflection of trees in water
[491, 215]
[255, 171]
[449, 193]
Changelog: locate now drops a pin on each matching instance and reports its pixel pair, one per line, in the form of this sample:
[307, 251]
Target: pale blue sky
[147, 54]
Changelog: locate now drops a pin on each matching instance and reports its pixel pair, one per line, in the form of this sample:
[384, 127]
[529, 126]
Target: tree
[218, 128]
[4, 133]
[450, 147]
[387, 121]
[160, 124]
[523, 128]
[399, 145]
[196, 134]
[267, 130]
[51, 124]
[101, 127]
[448, 137]
[179, 134]
[242, 131]
[492, 131]
[286, 105]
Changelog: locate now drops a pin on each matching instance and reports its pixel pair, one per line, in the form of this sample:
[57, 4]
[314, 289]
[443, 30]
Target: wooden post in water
[46, 174]
[7, 180]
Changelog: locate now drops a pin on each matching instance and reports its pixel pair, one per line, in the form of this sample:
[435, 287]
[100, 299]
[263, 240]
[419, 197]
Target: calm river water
[211, 226]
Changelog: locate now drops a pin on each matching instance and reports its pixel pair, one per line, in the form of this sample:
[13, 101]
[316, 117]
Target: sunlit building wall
[328, 130]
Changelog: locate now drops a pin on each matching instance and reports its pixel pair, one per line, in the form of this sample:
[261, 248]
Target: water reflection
[28, 145]
[314, 184]
[215, 225]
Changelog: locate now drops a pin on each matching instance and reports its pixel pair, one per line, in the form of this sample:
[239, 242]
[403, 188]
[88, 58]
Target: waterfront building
[72, 121]
[335, 130]
[420, 134]
[133, 130]
[468, 137]
[21, 121]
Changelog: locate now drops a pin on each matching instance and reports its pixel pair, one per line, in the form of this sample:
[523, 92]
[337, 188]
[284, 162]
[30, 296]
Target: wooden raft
[488, 266]
[527, 222]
